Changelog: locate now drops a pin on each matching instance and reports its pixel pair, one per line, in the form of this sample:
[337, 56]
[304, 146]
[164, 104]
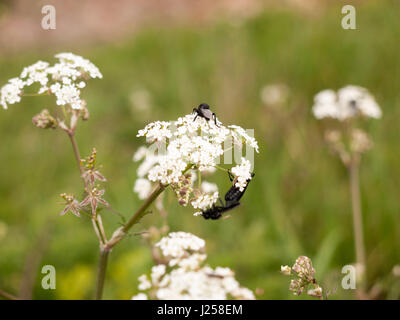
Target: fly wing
[207, 114]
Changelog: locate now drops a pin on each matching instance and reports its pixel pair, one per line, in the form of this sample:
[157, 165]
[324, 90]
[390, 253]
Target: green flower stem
[357, 217]
[118, 235]
[97, 226]
[101, 275]
[76, 153]
[220, 168]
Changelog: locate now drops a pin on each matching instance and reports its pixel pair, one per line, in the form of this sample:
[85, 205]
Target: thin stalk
[7, 296]
[118, 236]
[101, 228]
[101, 275]
[199, 181]
[35, 94]
[76, 153]
[357, 218]
[104, 252]
[96, 230]
[143, 209]
[220, 168]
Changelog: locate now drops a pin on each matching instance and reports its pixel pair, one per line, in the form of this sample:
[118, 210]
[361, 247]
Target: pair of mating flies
[232, 200]
[233, 196]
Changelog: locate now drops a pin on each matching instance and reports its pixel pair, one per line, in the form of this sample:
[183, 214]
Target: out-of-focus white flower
[144, 283]
[325, 105]
[274, 93]
[142, 188]
[347, 103]
[188, 279]
[354, 100]
[140, 296]
[140, 154]
[157, 272]
[396, 270]
[242, 173]
[64, 79]
[141, 100]
[209, 187]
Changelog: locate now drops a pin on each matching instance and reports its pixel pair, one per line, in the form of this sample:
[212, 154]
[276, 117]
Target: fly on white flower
[191, 145]
[188, 146]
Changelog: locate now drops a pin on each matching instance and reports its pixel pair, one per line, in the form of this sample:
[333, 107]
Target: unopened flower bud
[44, 120]
[286, 270]
[360, 141]
[316, 293]
[84, 112]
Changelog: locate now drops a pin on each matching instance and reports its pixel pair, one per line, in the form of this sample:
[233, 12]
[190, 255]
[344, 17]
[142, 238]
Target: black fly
[232, 200]
[203, 111]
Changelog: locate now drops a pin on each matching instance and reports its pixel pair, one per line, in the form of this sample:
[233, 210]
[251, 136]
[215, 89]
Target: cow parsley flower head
[347, 103]
[11, 92]
[185, 276]
[209, 187]
[191, 145]
[64, 80]
[142, 188]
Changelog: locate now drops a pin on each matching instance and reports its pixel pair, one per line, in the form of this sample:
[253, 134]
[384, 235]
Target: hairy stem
[357, 217]
[7, 295]
[101, 275]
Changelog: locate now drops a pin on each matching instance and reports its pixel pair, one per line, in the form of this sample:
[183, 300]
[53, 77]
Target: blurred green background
[298, 203]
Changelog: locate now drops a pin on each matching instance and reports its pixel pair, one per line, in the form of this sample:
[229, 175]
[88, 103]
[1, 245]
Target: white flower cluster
[186, 146]
[347, 103]
[184, 278]
[142, 188]
[243, 173]
[11, 92]
[179, 244]
[64, 79]
[190, 144]
[274, 93]
[240, 137]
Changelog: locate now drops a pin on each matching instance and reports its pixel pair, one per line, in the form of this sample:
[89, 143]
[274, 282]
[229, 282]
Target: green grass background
[298, 203]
